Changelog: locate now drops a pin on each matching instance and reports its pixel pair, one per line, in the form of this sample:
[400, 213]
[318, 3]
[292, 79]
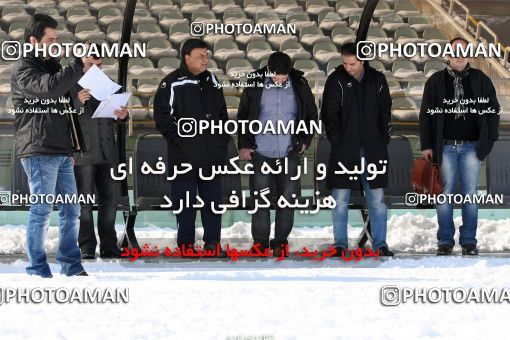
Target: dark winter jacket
[40, 94]
[249, 107]
[431, 125]
[355, 120]
[183, 96]
[98, 133]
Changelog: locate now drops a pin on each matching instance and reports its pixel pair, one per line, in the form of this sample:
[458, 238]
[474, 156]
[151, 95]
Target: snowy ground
[188, 299]
[406, 233]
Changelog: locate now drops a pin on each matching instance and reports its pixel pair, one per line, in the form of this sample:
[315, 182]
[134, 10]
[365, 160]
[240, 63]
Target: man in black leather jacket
[47, 134]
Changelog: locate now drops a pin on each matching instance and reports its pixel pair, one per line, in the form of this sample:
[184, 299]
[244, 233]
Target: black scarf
[458, 89]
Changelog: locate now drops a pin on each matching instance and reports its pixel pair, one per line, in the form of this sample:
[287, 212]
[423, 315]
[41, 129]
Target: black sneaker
[112, 253]
[385, 251]
[88, 255]
[216, 247]
[444, 249]
[279, 248]
[469, 249]
[83, 273]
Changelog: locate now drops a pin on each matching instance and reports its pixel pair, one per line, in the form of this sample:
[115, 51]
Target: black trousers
[106, 196]
[208, 191]
[284, 220]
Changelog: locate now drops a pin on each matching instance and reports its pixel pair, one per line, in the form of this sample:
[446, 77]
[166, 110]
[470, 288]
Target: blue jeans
[52, 175]
[459, 162]
[377, 211]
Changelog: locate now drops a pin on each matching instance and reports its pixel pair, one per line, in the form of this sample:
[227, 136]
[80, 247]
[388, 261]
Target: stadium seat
[77, 15]
[143, 16]
[346, 8]
[378, 65]
[433, 66]
[282, 7]
[400, 163]
[382, 9]
[310, 68]
[171, 16]
[404, 109]
[258, 50]
[213, 68]
[147, 87]
[148, 31]
[167, 65]
[220, 6]
[323, 52]
[377, 35]
[226, 49]
[159, 48]
[315, 7]
[236, 66]
[109, 15]
[235, 16]
[179, 32]
[64, 5]
[110, 67]
[136, 110]
[88, 31]
[295, 50]
[311, 35]
[406, 9]
[433, 35]
[299, 19]
[205, 17]
[12, 14]
[232, 106]
[243, 39]
[156, 6]
[102, 4]
[390, 23]
[17, 30]
[419, 24]
[406, 35]
[190, 6]
[497, 170]
[141, 67]
[252, 7]
[405, 69]
[269, 17]
[329, 20]
[113, 32]
[332, 64]
[415, 88]
[342, 35]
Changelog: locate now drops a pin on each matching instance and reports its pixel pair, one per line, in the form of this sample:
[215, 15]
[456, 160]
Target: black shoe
[188, 251]
[339, 251]
[83, 273]
[385, 251]
[112, 253]
[259, 247]
[444, 249]
[279, 248]
[216, 248]
[88, 255]
[469, 249]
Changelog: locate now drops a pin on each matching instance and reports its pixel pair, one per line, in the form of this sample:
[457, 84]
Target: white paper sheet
[101, 87]
[107, 107]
